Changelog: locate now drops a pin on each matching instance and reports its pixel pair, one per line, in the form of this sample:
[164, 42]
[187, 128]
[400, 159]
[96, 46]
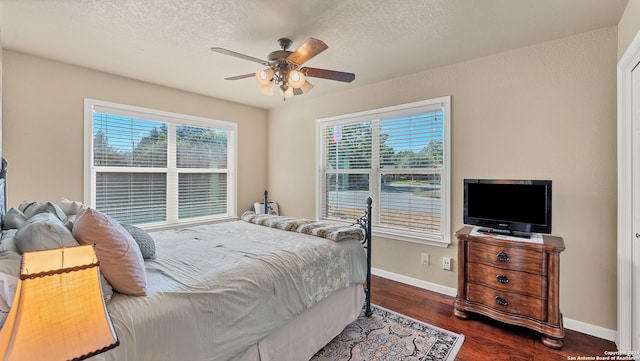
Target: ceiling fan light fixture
[284, 68]
[267, 89]
[290, 92]
[264, 76]
[296, 78]
[306, 87]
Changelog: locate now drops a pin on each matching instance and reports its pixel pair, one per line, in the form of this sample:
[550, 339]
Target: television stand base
[505, 232]
[517, 283]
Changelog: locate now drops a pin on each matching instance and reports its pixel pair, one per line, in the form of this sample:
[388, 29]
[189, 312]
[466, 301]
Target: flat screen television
[516, 207]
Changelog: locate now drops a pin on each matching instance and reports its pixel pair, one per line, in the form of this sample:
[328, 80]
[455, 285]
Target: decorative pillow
[143, 239]
[71, 208]
[43, 231]
[120, 258]
[14, 219]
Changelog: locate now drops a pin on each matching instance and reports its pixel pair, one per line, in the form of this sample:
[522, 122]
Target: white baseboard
[414, 282]
[570, 324]
[589, 329]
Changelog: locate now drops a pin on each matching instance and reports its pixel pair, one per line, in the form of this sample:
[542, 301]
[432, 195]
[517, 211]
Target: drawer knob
[501, 301]
[502, 257]
[502, 278]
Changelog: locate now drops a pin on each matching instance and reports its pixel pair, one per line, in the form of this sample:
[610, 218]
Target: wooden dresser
[512, 282]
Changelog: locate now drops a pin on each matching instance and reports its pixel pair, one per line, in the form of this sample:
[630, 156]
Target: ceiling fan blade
[306, 51]
[329, 74]
[244, 76]
[238, 55]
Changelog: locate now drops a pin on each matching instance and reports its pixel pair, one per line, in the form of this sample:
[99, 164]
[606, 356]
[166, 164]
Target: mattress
[215, 290]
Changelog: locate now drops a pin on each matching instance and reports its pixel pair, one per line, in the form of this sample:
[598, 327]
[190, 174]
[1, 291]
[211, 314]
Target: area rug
[390, 336]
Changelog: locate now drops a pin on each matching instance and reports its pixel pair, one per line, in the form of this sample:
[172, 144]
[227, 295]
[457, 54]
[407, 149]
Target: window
[397, 155]
[155, 168]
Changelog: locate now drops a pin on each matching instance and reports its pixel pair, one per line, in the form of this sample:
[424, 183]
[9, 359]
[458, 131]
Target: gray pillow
[14, 219]
[71, 220]
[46, 208]
[43, 231]
[70, 208]
[107, 290]
[143, 239]
[27, 207]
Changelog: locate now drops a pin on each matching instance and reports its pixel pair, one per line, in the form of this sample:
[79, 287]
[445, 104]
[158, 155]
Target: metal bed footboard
[365, 223]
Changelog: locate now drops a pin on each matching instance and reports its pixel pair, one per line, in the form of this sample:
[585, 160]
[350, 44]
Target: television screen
[508, 205]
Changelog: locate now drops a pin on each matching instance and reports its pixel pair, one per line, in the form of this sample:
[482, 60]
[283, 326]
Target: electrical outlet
[424, 258]
[446, 263]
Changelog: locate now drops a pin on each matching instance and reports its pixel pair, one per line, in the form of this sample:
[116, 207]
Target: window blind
[396, 155]
[411, 161]
[347, 153]
[149, 167]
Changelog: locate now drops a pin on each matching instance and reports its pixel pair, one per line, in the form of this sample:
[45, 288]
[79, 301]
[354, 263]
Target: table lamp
[58, 312]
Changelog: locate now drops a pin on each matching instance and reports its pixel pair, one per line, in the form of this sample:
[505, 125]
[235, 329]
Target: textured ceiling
[167, 42]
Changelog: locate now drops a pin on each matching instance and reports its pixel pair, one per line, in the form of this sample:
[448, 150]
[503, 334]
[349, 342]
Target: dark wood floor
[485, 339]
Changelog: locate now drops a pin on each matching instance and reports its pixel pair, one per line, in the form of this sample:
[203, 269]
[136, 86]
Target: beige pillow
[120, 258]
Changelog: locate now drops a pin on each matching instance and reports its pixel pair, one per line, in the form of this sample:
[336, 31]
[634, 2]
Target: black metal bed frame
[365, 222]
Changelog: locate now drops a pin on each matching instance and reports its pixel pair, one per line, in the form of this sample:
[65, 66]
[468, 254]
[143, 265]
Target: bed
[256, 289]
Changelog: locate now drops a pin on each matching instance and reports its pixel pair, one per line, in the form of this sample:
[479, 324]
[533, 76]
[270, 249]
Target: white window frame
[441, 239]
[90, 171]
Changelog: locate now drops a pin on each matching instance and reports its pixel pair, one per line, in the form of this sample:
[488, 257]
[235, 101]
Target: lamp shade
[306, 87]
[296, 79]
[58, 312]
[267, 89]
[264, 76]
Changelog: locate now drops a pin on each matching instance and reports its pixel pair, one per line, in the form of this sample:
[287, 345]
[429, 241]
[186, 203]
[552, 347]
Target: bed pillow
[46, 208]
[14, 219]
[107, 290]
[43, 231]
[143, 239]
[71, 208]
[71, 220]
[27, 207]
[120, 258]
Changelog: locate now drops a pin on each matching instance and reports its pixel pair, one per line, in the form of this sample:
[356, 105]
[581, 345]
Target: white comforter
[214, 290]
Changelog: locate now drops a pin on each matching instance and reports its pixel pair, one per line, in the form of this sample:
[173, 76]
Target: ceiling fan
[284, 68]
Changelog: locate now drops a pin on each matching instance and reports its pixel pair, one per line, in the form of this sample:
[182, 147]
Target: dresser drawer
[519, 259]
[507, 280]
[509, 302]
